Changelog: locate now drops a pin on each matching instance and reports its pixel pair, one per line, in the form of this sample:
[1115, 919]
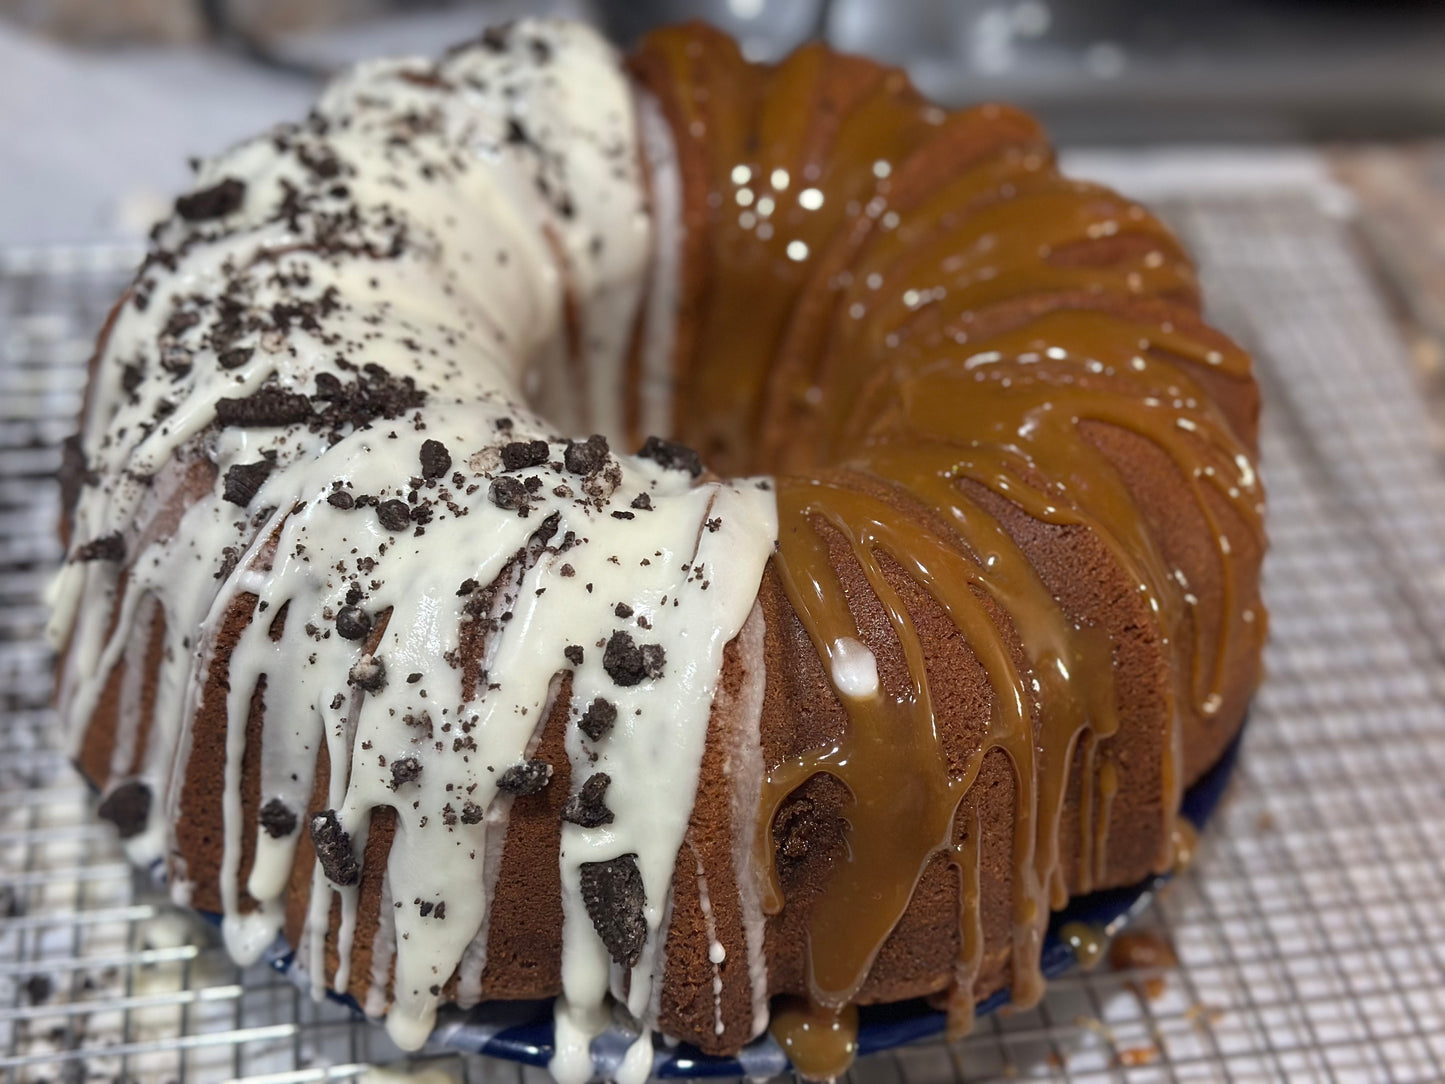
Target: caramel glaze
[820, 1043]
[1088, 942]
[933, 331]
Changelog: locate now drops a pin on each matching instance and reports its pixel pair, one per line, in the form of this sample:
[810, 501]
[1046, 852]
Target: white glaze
[716, 952]
[485, 197]
[854, 669]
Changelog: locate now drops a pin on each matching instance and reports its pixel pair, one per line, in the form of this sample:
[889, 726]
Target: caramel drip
[904, 796]
[967, 862]
[1106, 785]
[821, 1043]
[916, 312]
[1014, 412]
[1088, 942]
[753, 141]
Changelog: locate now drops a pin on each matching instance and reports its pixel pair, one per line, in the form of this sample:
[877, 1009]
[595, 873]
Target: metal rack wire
[1311, 929]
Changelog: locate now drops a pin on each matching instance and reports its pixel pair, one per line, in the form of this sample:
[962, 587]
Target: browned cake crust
[805, 111]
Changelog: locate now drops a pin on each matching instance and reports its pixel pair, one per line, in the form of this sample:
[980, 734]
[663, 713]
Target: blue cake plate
[521, 1031]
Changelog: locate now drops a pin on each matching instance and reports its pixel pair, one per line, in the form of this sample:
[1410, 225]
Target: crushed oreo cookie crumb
[395, 515]
[614, 896]
[597, 721]
[369, 673]
[278, 819]
[574, 654]
[521, 454]
[509, 493]
[235, 357]
[244, 479]
[264, 408]
[586, 456]
[353, 623]
[341, 499]
[128, 807]
[471, 813]
[333, 849]
[628, 664]
[435, 459]
[372, 393]
[403, 771]
[588, 807]
[671, 455]
[108, 547]
[215, 202]
[526, 777]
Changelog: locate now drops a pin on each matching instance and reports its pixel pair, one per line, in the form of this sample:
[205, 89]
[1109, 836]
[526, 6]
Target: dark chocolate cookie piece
[278, 819]
[127, 807]
[588, 807]
[671, 455]
[525, 777]
[614, 896]
[333, 849]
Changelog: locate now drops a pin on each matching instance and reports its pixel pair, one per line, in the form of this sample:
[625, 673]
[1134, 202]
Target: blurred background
[105, 99]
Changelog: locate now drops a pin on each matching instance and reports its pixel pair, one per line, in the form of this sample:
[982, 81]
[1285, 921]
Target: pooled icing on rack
[333, 339]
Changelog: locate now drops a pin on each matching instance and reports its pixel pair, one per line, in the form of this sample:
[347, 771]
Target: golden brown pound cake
[932, 583]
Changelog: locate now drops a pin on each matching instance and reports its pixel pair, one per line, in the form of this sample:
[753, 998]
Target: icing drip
[716, 952]
[383, 952]
[308, 435]
[745, 768]
[652, 754]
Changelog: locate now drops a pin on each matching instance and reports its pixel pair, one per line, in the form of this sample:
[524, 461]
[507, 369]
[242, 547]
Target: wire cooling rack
[1310, 930]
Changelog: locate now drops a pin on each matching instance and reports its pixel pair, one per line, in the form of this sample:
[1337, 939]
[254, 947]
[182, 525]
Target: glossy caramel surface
[910, 316]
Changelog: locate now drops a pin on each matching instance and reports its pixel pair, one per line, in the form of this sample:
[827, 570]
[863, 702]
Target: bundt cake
[932, 584]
